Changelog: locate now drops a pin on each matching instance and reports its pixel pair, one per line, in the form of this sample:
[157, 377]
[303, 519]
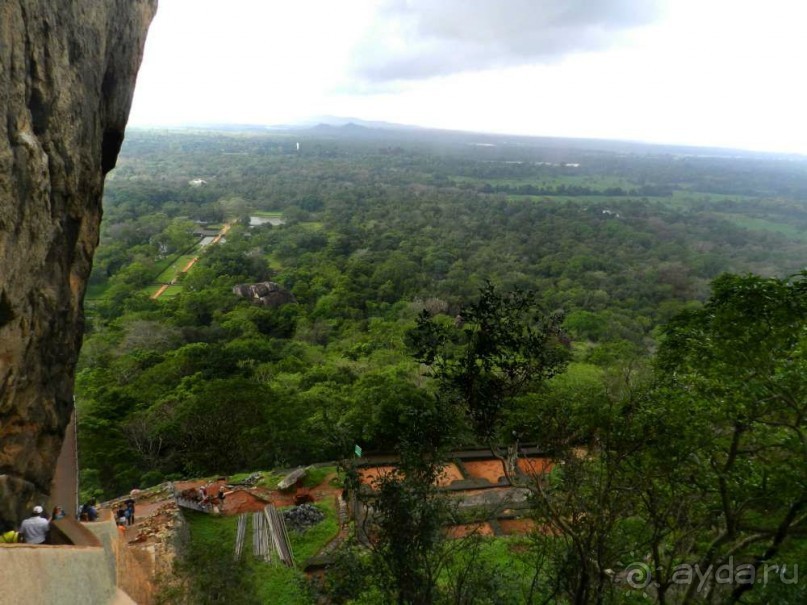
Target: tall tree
[737, 367]
[497, 348]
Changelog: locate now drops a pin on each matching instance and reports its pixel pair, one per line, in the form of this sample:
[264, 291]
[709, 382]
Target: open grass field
[759, 224]
[701, 196]
[172, 291]
[174, 268]
[595, 182]
[268, 213]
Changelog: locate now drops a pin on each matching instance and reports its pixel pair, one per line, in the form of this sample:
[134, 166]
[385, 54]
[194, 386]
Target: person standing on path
[34, 530]
[130, 510]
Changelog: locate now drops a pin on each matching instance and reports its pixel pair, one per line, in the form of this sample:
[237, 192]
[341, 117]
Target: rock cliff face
[67, 74]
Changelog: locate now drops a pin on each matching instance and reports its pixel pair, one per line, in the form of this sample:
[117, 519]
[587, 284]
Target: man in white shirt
[34, 530]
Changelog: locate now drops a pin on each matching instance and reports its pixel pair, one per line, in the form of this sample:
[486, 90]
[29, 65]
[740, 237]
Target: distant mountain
[338, 121]
[351, 127]
[356, 127]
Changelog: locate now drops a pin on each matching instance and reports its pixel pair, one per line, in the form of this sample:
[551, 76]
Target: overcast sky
[704, 72]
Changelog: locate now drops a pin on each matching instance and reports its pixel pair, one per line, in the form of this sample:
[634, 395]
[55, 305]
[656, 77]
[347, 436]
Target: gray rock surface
[267, 294]
[67, 74]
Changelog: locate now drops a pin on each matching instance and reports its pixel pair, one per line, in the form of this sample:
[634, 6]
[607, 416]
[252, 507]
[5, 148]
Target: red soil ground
[243, 501]
[212, 486]
[460, 531]
[535, 466]
[448, 475]
[154, 510]
[517, 526]
[370, 474]
[490, 470]
[236, 501]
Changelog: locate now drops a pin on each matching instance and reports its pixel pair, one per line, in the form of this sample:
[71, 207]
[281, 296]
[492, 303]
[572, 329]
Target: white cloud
[415, 39]
[243, 61]
[713, 73]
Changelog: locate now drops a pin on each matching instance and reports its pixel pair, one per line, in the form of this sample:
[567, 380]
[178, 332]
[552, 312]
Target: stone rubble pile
[160, 526]
[302, 517]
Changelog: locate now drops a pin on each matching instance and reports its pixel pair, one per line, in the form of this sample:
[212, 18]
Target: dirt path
[159, 292]
[191, 262]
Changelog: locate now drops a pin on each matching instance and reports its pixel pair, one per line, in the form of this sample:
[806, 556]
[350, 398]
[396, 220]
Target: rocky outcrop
[267, 294]
[67, 73]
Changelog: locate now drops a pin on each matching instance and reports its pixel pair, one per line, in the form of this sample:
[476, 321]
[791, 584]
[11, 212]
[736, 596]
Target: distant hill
[336, 121]
[353, 126]
[356, 128]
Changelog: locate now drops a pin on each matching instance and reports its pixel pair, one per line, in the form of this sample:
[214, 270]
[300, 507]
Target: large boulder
[267, 294]
[67, 74]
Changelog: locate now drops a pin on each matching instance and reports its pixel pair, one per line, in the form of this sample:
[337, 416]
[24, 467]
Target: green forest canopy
[378, 228]
[686, 386]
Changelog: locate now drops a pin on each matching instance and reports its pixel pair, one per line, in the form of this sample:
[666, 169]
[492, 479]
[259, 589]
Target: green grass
[163, 263]
[207, 562]
[306, 544]
[505, 558]
[269, 481]
[317, 475]
[169, 268]
[500, 550]
[274, 261]
[280, 585]
[313, 477]
[759, 224]
[580, 199]
[312, 225]
[702, 196]
[268, 213]
[238, 477]
[97, 291]
[601, 182]
[212, 570]
[171, 291]
[172, 270]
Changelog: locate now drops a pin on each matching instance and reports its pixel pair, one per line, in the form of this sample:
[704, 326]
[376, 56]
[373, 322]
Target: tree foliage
[695, 455]
[497, 348]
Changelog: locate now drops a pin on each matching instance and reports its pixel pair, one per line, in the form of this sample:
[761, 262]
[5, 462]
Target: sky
[726, 73]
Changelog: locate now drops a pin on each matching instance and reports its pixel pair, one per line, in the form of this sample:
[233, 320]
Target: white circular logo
[638, 575]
